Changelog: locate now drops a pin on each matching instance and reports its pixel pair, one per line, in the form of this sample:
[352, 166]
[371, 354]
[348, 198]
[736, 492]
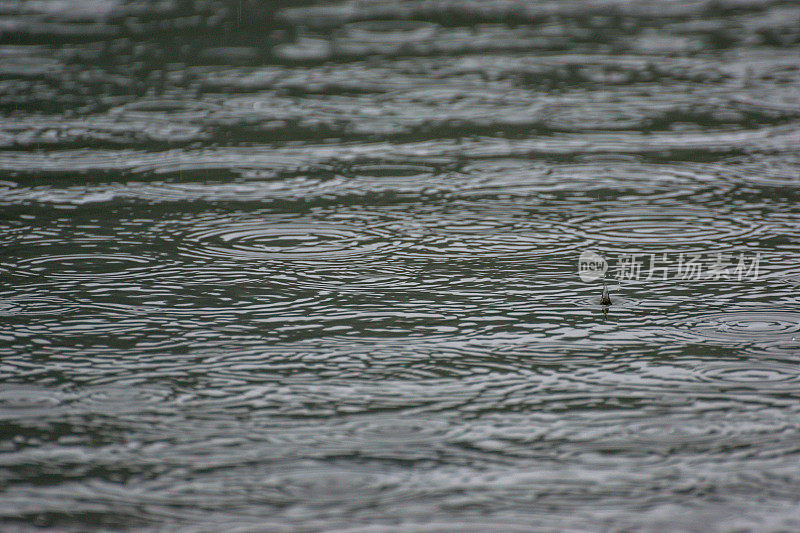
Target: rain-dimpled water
[339, 266]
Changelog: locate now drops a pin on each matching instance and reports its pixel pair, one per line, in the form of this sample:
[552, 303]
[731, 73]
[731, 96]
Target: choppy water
[315, 267]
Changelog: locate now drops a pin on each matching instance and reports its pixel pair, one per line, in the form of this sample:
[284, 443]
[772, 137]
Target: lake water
[316, 267]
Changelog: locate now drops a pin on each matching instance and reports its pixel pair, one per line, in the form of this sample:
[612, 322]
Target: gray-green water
[315, 266]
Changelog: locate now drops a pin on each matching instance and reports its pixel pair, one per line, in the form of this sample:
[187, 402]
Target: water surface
[314, 267]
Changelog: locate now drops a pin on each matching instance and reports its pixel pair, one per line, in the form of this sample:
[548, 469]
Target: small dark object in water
[605, 299]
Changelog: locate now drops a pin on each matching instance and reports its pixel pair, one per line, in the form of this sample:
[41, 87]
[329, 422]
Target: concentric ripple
[662, 227]
[616, 302]
[593, 177]
[746, 326]
[752, 375]
[300, 239]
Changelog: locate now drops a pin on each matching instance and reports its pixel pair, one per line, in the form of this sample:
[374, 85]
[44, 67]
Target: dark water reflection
[315, 266]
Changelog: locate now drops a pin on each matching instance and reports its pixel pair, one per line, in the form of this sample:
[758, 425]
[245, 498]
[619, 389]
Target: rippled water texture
[315, 266]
